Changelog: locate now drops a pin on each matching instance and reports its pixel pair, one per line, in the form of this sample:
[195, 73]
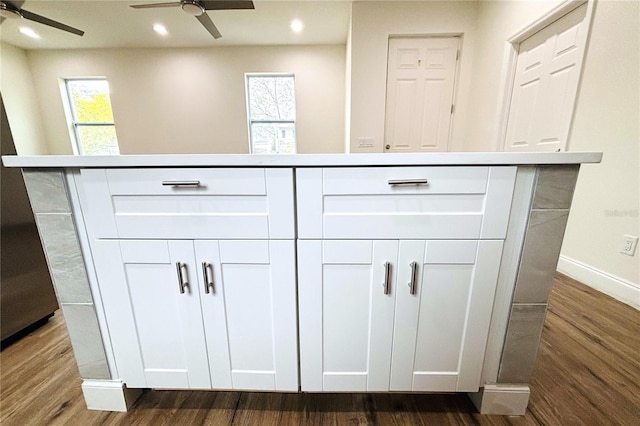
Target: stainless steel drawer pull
[414, 277]
[387, 277]
[181, 183]
[208, 279]
[393, 182]
[182, 282]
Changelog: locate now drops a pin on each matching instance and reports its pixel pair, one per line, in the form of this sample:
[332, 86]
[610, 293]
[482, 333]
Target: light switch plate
[366, 142]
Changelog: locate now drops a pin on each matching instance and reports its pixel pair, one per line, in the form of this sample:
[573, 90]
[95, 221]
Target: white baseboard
[108, 395]
[502, 399]
[615, 287]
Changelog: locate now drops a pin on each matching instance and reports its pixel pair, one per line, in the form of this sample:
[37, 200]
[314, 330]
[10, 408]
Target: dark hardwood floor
[587, 373]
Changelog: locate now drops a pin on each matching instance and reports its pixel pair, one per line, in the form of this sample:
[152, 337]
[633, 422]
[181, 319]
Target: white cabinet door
[249, 311]
[233, 328]
[156, 329]
[441, 327]
[346, 316]
[427, 333]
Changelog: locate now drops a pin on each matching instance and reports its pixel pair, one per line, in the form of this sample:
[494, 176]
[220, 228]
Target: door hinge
[457, 54]
[451, 108]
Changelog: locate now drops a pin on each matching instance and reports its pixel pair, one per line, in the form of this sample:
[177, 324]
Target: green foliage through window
[92, 116]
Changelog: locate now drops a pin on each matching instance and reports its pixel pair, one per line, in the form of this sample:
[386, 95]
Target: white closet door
[545, 86]
[420, 81]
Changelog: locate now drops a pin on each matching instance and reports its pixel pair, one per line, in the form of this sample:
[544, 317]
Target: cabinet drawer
[189, 203]
[405, 202]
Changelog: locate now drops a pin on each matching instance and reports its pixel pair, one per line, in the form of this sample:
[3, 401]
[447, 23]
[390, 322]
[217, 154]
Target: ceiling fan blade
[50, 22]
[227, 4]
[208, 24]
[154, 5]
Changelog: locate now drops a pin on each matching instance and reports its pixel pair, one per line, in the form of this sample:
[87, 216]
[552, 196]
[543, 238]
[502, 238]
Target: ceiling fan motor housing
[192, 7]
[6, 11]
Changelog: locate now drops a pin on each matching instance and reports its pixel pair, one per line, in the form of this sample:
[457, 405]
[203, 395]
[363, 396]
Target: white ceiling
[113, 24]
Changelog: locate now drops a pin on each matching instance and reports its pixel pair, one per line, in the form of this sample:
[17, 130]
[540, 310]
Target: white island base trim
[495, 399]
[502, 399]
[109, 395]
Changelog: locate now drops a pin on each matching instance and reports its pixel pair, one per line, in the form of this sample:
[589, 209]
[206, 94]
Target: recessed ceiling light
[29, 32]
[160, 29]
[296, 25]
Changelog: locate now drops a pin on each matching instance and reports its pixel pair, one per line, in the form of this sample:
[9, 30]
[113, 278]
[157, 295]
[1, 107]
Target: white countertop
[303, 160]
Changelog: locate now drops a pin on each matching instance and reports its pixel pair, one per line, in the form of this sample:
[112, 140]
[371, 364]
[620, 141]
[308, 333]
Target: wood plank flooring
[587, 373]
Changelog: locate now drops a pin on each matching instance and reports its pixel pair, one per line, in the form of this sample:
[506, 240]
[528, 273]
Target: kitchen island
[304, 273]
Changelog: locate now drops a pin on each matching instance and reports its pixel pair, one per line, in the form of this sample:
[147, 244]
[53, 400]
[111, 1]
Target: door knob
[387, 147]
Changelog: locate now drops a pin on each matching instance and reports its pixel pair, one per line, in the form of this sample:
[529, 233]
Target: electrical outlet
[629, 244]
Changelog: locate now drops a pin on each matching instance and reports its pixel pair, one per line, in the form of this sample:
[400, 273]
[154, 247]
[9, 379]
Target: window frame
[72, 114]
[250, 121]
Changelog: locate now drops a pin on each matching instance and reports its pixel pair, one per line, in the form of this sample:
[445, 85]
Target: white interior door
[545, 85]
[420, 81]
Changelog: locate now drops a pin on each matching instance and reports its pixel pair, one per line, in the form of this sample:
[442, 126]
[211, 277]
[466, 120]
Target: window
[271, 106]
[91, 116]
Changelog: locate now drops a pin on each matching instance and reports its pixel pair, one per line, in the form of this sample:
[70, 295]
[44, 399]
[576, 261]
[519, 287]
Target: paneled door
[346, 299]
[545, 85]
[248, 298]
[201, 314]
[445, 290]
[152, 303]
[403, 315]
[420, 85]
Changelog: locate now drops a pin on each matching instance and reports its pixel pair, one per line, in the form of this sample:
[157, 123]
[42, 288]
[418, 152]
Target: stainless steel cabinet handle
[414, 277]
[394, 182]
[387, 277]
[181, 183]
[181, 281]
[208, 279]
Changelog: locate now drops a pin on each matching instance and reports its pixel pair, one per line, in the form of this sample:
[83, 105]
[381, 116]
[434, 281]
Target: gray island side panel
[542, 243]
[52, 208]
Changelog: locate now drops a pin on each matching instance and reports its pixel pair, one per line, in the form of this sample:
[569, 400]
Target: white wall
[607, 119]
[372, 24]
[23, 113]
[192, 100]
[347, 87]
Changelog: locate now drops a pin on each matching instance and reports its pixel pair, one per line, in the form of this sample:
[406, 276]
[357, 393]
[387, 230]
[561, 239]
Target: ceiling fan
[198, 9]
[13, 10]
